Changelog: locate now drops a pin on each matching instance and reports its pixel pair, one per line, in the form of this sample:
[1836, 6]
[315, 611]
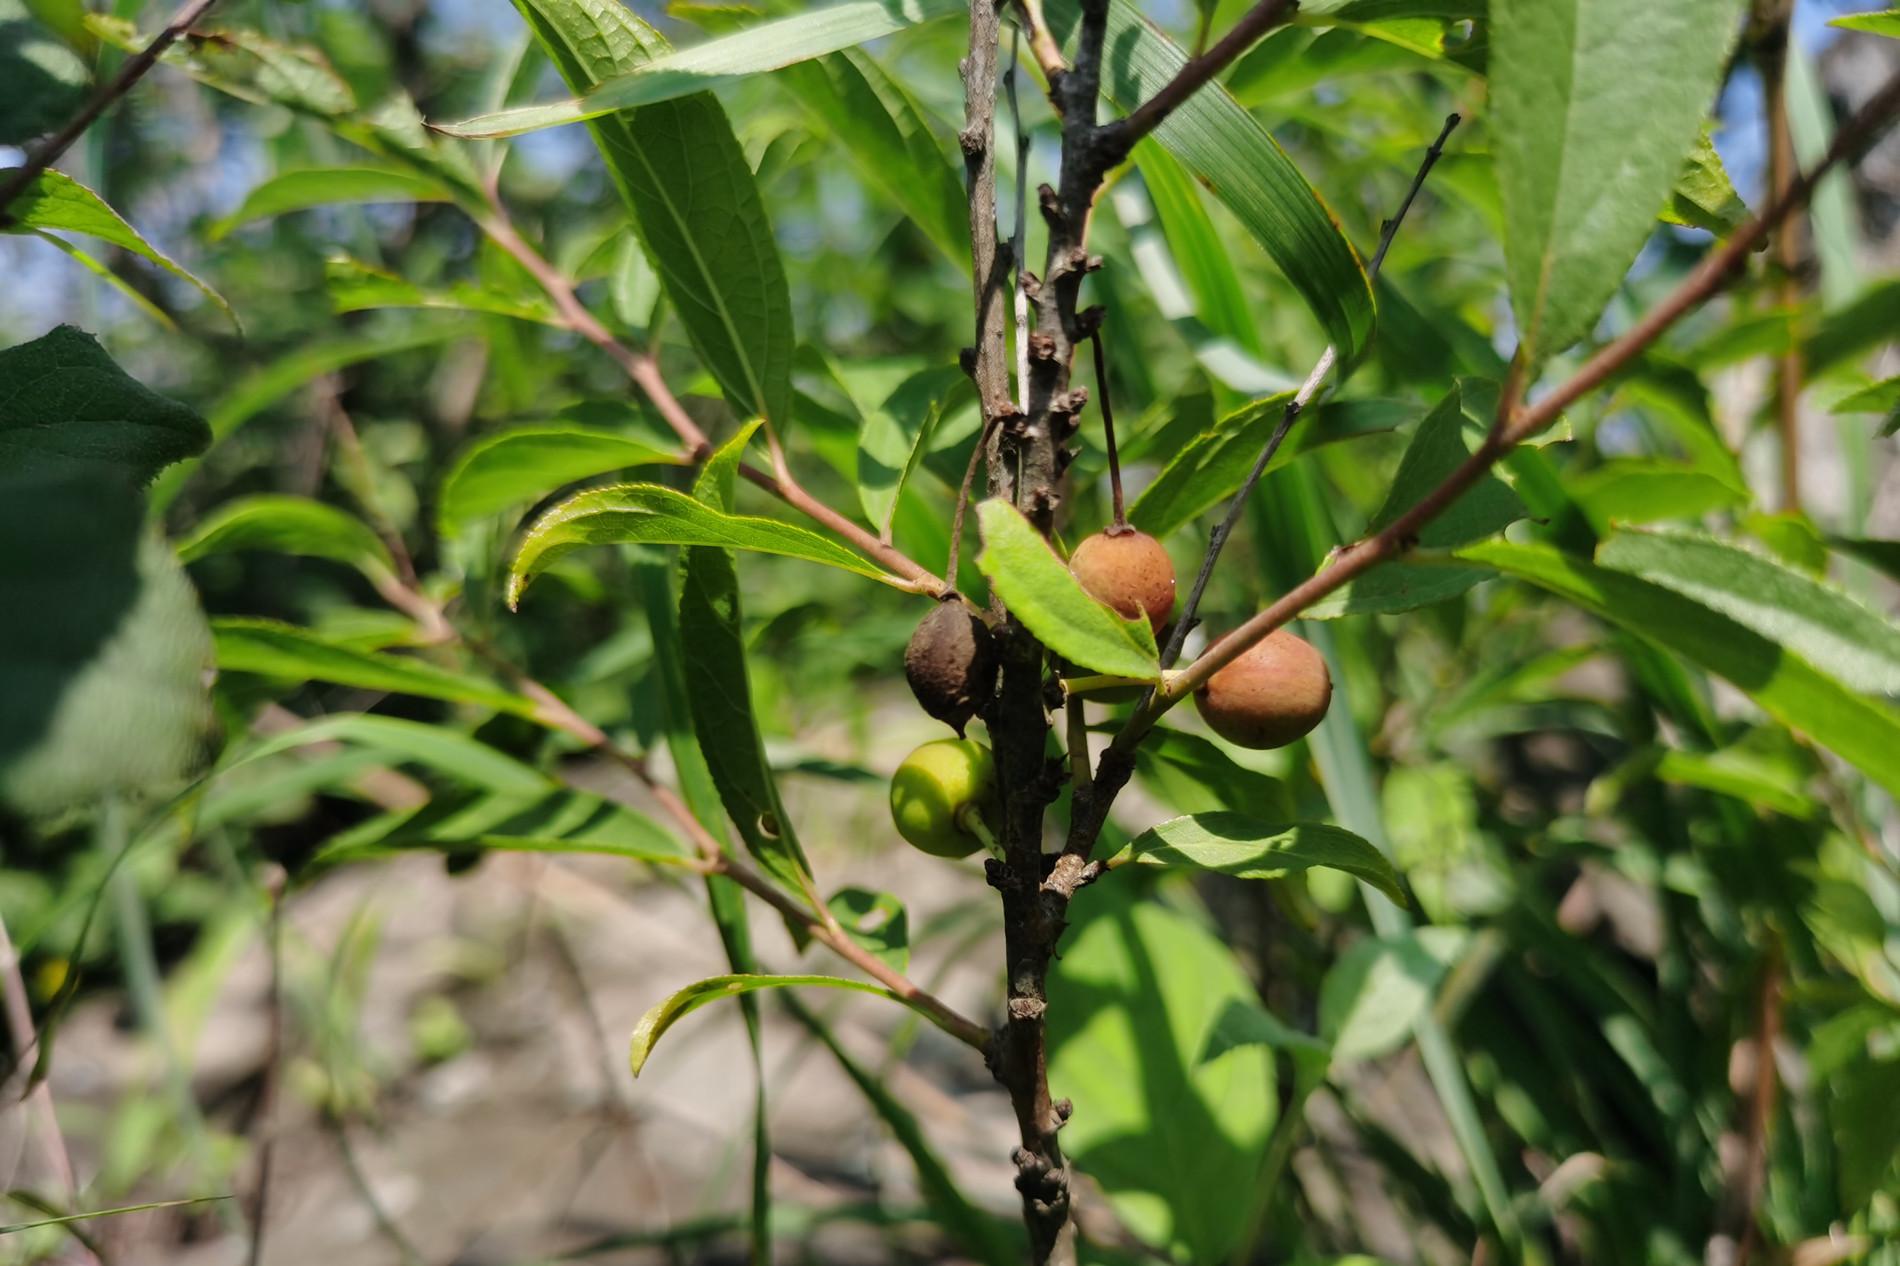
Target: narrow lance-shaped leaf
[649, 514]
[446, 751]
[1595, 103]
[719, 694]
[55, 202]
[523, 464]
[694, 201]
[1229, 152]
[354, 286]
[273, 649]
[667, 75]
[1864, 731]
[654, 1024]
[1039, 591]
[551, 822]
[1811, 618]
[311, 187]
[289, 525]
[1247, 848]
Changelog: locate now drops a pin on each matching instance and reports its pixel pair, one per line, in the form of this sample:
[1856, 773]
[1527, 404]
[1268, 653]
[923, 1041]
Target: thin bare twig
[274, 885]
[130, 73]
[1515, 425]
[1302, 398]
[1108, 428]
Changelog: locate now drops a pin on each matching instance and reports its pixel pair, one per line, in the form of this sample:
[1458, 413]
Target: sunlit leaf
[1248, 848]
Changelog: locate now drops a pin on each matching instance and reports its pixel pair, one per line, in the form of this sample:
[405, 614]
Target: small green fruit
[943, 797]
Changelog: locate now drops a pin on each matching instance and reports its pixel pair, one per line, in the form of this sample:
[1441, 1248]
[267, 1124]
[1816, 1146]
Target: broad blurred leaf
[665, 75]
[649, 514]
[661, 1017]
[1448, 435]
[1881, 397]
[877, 921]
[1593, 103]
[1041, 593]
[720, 694]
[1377, 990]
[55, 202]
[1248, 848]
[681, 171]
[1196, 246]
[289, 653]
[1861, 730]
[1228, 151]
[104, 654]
[1809, 617]
[357, 287]
[46, 81]
[289, 525]
[1173, 1138]
[1210, 468]
[309, 187]
[551, 822]
[523, 464]
[1171, 757]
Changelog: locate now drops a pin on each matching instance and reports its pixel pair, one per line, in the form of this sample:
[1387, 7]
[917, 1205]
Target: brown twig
[1108, 428]
[1770, 47]
[274, 885]
[130, 73]
[1515, 425]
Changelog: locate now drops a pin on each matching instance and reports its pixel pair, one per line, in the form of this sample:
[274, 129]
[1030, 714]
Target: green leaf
[1228, 151]
[271, 649]
[311, 187]
[439, 748]
[1881, 397]
[46, 80]
[664, 75]
[68, 409]
[1809, 617]
[877, 921]
[104, 653]
[694, 201]
[55, 202]
[1248, 848]
[524, 464]
[1595, 103]
[550, 822]
[649, 514]
[1648, 490]
[654, 1024]
[1210, 468]
[1449, 434]
[1704, 197]
[892, 140]
[1196, 247]
[1174, 1140]
[896, 434]
[1862, 731]
[719, 694]
[290, 525]
[354, 286]
[1881, 22]
[1039, 591]
[1379, 988]
[1173, 757]
[1883, 556]
[246, 64]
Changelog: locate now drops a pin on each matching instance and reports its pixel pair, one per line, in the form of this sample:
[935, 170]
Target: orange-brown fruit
[1128, 572]
[1275, 692]
[951, 663]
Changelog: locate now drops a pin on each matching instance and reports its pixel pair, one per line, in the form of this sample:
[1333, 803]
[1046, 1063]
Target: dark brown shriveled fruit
[951, 663]
[1276, 691]
[1128, 572]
